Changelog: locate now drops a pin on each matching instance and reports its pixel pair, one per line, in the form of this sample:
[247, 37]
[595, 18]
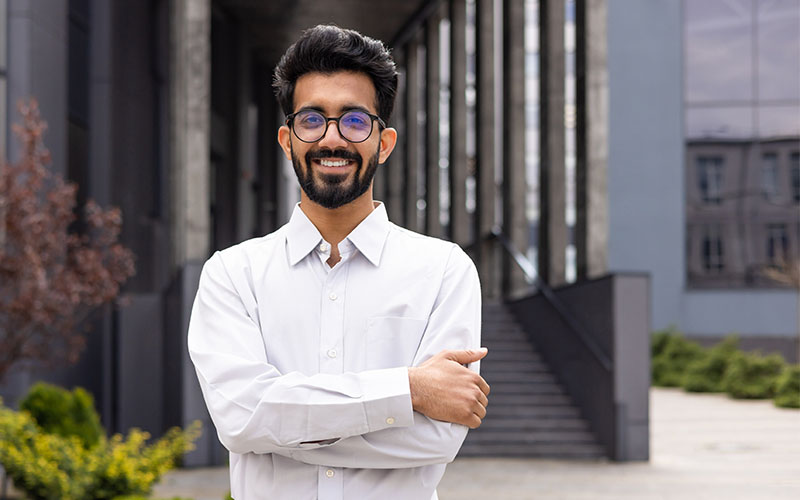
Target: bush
[50, 466]
[787, 388]
[705, 374]
[139, 497]
[64, 413]
[672, 354]
[752, 376]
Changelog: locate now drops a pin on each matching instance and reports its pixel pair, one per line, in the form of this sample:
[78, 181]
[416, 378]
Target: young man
[331, 353]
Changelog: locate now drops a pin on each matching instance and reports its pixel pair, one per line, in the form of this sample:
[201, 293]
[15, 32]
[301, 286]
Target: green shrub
[787, 388]
[228, 496]
[50, 466]
[705, 374]
[752, 376]
[672, 355]
[139, 497]
[64, 413]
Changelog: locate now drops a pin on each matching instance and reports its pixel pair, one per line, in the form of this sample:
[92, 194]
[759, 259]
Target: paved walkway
[702, 447]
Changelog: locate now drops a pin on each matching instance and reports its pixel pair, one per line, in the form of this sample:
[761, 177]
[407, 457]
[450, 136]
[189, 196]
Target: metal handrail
[532, 277]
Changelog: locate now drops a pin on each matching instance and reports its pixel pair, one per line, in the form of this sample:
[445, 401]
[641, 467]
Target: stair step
[496, 357]
[539, 450]
[543, 412]
[500, 377]
[532, 399]
[515, 424]
[515, 366]
[530, 437]
[529, 413]
[523, 389]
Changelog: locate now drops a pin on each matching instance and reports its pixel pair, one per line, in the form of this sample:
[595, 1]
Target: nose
[332, 139]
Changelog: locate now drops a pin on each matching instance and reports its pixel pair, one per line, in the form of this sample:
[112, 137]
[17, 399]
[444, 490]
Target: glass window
[719, 58]
[709, 178]
[777, 244]
[769, 176]
[713, 255]
[778, 50]
[794, 166]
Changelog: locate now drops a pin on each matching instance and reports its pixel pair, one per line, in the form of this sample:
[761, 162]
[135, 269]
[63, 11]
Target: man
[331, 352]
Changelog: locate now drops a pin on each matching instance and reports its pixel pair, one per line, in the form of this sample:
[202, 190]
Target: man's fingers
[480, 411]
[483, 400]
[467, 356]
[483, 386]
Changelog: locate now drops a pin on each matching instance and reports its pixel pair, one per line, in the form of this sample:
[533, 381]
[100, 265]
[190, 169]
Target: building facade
[704, 122]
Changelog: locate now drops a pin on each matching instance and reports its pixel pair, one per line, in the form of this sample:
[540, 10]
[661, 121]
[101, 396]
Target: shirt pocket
[392, 341]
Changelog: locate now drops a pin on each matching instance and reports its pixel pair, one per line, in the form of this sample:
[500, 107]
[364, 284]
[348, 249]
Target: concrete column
[591, 225]
[413, 135]
[190, 65]
[485, 167]
[459, 220]
[268, 164]
[433, 79]
[552, 176]
[190, 70]
[37, 67]
[397, 164]
[515, 225]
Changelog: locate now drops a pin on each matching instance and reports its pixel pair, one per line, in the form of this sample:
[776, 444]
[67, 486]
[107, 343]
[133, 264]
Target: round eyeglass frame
[290, 123]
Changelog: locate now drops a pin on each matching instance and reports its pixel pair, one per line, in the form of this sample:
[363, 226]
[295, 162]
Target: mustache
[330, 153]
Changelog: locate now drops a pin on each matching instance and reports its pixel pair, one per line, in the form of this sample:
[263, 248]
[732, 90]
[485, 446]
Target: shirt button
[332, 353]
[323, 247]
[329, 473]
[390, 421]
[333, 296]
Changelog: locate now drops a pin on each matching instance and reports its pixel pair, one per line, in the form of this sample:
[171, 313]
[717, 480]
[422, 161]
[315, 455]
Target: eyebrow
[342, 110]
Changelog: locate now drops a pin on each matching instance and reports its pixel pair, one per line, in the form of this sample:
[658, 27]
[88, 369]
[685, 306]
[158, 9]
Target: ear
[388, 141]
[285, 140]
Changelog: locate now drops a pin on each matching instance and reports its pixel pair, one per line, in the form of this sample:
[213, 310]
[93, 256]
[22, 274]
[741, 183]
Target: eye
[356, 120]
[310, 119]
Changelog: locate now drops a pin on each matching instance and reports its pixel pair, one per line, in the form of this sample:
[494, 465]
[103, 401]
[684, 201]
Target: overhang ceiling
[273, 25]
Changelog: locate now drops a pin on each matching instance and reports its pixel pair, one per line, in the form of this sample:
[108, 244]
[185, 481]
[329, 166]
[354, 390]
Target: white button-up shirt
[304, 367]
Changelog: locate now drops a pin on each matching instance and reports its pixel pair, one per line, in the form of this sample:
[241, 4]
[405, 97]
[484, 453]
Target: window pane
[779, 49]
[779, 121]
[769, 176]
[719, 123]
[718, 57]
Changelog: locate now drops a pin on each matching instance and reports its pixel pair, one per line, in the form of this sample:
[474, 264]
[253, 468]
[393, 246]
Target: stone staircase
[529, 414]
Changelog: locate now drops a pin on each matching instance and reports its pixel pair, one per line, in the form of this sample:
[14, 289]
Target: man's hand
[443, 389]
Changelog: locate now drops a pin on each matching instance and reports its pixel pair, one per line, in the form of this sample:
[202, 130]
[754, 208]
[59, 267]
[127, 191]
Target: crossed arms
[386, 418]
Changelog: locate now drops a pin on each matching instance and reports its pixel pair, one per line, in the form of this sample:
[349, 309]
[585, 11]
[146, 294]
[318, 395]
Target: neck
[334, 224]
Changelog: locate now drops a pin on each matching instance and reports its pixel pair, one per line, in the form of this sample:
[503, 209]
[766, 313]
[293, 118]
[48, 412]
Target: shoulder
[421, 248]
[249, 253]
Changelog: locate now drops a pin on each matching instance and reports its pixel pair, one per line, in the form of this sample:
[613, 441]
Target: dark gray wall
[614, 312]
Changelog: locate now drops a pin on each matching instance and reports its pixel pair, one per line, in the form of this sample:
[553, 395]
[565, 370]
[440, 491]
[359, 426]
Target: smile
[333, 162]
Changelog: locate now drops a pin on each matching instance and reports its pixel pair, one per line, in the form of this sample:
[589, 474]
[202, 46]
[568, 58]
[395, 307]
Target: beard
[333, 190]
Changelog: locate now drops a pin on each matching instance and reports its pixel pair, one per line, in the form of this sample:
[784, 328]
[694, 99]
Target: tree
[57, 263]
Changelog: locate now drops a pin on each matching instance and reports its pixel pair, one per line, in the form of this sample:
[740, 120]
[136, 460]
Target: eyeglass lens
[354, 126]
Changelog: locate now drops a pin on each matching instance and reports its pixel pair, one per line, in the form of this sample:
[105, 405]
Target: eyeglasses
[311, 126]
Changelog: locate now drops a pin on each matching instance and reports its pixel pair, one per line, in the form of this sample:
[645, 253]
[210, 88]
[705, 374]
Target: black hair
[328, 49]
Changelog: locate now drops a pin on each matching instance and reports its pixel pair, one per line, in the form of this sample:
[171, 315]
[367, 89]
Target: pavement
[703, 446]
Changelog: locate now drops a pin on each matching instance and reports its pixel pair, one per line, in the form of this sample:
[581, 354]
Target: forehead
[333, 92]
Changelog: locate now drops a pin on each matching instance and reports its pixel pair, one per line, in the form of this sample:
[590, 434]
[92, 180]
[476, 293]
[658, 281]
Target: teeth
[333, 163]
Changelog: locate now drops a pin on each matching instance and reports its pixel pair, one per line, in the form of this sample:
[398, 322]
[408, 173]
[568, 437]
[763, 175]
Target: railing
[532, 277]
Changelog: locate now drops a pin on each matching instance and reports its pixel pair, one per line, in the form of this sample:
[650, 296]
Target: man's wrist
[412, 387]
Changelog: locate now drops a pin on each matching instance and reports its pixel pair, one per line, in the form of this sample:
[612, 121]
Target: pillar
[552, 175]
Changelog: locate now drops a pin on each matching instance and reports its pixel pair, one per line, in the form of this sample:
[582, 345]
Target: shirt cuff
[387, 399]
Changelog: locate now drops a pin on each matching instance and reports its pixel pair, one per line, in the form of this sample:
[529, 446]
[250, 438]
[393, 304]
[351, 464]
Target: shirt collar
[368, 237]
